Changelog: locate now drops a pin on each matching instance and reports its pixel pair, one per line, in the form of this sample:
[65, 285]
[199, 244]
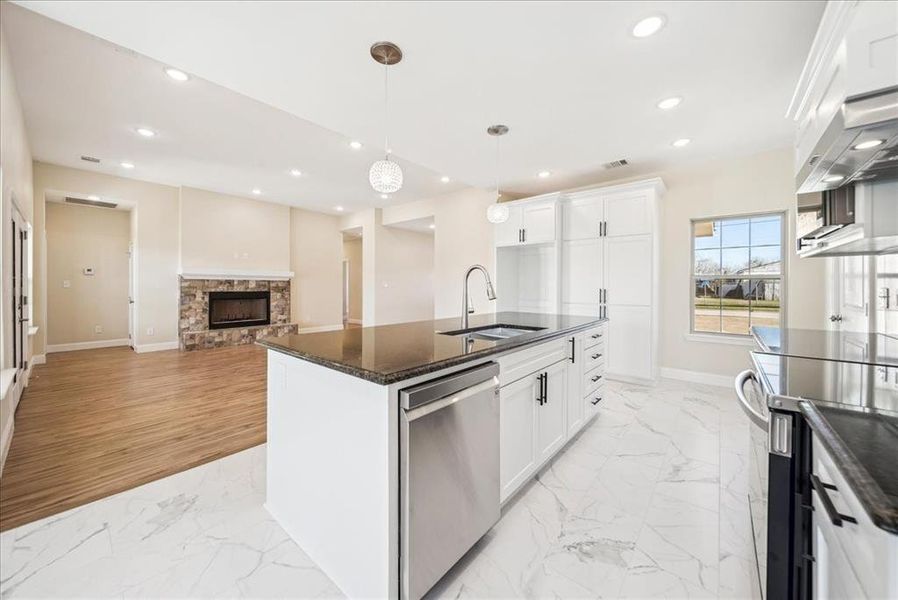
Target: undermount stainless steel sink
[493, 332]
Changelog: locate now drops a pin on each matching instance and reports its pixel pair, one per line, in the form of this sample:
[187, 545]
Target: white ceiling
[576, 88]
[84, 96]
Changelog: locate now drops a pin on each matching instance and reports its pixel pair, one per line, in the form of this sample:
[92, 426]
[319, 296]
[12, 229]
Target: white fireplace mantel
[235, 274]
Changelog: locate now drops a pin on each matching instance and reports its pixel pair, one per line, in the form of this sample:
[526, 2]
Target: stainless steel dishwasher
[449, 472]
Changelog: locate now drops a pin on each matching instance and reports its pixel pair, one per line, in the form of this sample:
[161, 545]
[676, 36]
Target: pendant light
[385, 175]
[498, 212]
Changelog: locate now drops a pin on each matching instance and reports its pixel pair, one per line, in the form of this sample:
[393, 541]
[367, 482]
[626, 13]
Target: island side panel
[332, 473]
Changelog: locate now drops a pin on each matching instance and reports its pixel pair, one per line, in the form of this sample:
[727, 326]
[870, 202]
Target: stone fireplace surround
[193, 322]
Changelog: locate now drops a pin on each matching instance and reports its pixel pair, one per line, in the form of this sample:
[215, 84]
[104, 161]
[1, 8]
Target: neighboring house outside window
[737, 273]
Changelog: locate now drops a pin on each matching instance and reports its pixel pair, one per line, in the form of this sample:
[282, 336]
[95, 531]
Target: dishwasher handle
[431, 407]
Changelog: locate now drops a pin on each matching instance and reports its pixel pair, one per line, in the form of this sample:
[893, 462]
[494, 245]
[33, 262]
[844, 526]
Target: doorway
[352, 278]
[20, 255]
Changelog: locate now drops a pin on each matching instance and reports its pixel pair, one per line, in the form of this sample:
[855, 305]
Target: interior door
[132, 306]
[850, 294]
[19, 301]
[538, 222]
[551, 430]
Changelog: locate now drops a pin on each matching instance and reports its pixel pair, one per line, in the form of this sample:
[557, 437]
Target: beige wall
[15, 164]
[404, 272]
[315, 256]
[352, 252]
[751, 184]
[227, 232]
[156, 246]
[80, 237]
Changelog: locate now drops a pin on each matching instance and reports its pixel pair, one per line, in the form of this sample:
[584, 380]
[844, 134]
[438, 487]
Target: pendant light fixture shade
[498, 212]
[385, 176]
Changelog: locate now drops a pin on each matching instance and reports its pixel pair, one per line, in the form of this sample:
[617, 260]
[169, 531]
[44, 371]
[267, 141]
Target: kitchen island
[339, 479]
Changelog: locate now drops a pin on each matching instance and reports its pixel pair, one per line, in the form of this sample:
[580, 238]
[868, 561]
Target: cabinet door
[517, 431]
[629, 352]
[581, 218]
[538, 223]
[508, 233]
[628, 213]
[581, 276]
[551, 430]
[628, 270]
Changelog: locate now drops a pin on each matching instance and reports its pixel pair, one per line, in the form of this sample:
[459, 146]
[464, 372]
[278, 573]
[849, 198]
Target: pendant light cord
[497, 169]
[386, 114]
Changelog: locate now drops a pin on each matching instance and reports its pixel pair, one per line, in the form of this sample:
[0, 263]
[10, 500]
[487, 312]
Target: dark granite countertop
[389, 353]
[843, 346]
[863, 445]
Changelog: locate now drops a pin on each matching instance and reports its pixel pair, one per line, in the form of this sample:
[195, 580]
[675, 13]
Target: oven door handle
[756, 417]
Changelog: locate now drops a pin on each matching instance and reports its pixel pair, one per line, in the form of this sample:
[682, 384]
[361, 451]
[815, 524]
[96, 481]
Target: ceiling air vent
[90, 159]
[97, 203]
[622, 162]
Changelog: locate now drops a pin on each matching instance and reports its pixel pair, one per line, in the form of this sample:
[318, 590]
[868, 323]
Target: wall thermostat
[88, 271]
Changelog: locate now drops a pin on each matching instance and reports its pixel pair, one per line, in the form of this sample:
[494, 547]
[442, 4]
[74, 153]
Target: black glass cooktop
[865, 348]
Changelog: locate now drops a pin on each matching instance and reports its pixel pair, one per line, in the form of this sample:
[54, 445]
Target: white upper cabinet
[530, 221]
[538, 223]
[509, 232]
[629, 213]
[582, 217]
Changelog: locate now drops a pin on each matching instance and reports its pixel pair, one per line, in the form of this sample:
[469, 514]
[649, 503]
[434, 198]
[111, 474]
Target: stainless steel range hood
[847, 152]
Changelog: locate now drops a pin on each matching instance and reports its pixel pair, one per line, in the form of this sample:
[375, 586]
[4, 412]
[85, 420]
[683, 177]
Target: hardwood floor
[96, 422]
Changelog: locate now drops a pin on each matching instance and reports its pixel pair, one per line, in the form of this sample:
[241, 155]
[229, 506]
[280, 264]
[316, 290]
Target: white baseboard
[6, 440]
[39, 359]
[141, 348]
[355, 321]
[87, 345]
[321, 328]
[697, 377]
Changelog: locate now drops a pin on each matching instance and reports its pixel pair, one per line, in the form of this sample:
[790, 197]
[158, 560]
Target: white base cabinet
[547, 395]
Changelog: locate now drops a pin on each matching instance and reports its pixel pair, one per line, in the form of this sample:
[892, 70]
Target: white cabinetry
[531, 221]
[547, 395]
[853, 558]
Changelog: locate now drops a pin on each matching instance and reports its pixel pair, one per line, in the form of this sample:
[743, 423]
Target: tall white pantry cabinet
[594, 252]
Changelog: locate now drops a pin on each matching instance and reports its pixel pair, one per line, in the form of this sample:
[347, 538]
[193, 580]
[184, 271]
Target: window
[737, 273]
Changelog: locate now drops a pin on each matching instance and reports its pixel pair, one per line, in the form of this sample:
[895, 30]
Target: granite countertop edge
[393, 377]
[882, 510]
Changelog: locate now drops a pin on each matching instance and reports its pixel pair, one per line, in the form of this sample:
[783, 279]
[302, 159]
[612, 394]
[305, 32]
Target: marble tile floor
[648, 502]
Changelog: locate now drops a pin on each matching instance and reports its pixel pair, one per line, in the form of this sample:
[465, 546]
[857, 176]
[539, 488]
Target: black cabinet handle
[524, 235]
[595, 401]
[573, 350]
[541, 392]
[835, 517]
[596, 378]
[596, 336]
[545, 388]
[595, 356]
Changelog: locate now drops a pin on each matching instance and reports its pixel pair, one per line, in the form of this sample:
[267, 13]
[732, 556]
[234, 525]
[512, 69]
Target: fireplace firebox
[239, 309]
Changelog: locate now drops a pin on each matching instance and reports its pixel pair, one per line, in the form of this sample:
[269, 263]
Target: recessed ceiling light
[669, 103]
[338, 208]
[93, 197]
[176, 74]
[146, 132]
[833, 178]
[296, 172]
[355, 145]
[868, 144]
[648, 26]
[543, 174]
[444, 179]
[680, 142]
[256, 191]
[127, 165]
[384, 196]
[432, 226]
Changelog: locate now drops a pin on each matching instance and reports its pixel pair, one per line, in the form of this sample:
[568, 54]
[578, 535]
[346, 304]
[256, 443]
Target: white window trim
[736, 339]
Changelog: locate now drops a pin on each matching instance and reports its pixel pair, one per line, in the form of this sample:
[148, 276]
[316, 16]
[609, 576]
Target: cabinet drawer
[520, 363]
[593, 337]
[593, 357]
[593, 379]
[595, 397]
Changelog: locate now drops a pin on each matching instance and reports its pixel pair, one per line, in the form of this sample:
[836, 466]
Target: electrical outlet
[151, 331]
[98, 329]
